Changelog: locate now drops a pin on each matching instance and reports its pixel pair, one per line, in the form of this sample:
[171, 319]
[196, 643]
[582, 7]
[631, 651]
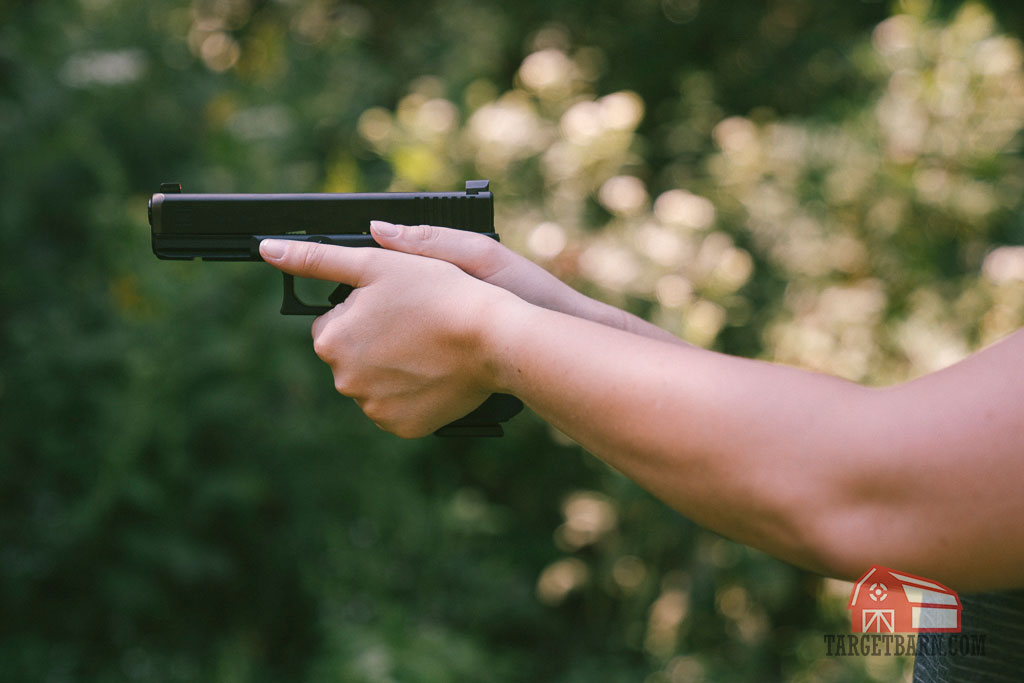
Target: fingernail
[384, 229]
[272, 249]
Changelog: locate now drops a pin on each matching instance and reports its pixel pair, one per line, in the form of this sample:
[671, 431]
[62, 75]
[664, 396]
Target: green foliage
[184, 496]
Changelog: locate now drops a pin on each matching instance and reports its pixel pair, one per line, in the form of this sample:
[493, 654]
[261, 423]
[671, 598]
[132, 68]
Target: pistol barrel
[222, 226]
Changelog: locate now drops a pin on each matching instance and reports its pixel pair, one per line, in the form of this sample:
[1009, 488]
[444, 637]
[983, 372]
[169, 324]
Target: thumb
[348, 265]
[475, 253]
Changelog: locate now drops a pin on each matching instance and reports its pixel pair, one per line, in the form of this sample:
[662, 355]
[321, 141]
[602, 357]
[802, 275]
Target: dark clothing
[999, 618]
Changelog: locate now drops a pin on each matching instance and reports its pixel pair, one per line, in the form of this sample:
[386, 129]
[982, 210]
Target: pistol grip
[486, 419]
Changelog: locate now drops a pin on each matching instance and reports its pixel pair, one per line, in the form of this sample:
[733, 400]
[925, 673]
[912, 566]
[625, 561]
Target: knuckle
[312, 257]
[369, 259]
[409, 431]
[423, 233]
[330, 335]
[386, 415]
[323, 347]
[488, 256]
[345, 383]
[373, 409]
[483, 248]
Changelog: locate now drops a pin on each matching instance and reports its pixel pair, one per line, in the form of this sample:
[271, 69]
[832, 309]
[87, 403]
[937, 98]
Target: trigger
[339, 294]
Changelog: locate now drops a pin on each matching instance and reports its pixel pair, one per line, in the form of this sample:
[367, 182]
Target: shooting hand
[407, 343]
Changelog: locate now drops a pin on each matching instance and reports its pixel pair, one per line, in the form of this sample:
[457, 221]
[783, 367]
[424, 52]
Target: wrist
[500, 327]
[598, 312]
[610, 316]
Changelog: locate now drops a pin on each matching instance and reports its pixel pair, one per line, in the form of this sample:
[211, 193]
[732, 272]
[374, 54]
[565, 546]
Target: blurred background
[184, 497]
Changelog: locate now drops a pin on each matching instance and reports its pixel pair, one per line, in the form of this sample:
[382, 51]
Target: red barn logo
[887, 601]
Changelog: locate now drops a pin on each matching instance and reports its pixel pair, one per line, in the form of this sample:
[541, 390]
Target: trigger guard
[293, 305]
[340, 293]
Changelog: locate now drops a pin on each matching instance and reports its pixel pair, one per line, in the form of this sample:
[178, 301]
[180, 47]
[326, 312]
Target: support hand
[487, 260]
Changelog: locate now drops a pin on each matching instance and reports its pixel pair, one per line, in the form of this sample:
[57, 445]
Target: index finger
[346, 265]
[477, 254]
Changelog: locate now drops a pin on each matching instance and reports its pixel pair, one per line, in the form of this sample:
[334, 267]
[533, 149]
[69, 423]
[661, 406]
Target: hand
[406, 343]
[484, 258]
[487, 260]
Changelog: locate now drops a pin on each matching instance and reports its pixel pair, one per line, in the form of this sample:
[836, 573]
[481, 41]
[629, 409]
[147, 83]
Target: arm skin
[925, 477]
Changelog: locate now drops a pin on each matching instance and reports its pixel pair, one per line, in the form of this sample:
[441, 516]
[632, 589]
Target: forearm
[600, 312]
[743, 447]
[812, 469]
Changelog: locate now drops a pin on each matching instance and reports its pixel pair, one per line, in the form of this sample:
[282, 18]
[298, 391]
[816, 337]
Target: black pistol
[230, 227]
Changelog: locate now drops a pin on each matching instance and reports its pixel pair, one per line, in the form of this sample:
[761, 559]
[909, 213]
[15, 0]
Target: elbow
[841, 529]
[858, 512]
[856, 530]
[840, 546]
[809, 527]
